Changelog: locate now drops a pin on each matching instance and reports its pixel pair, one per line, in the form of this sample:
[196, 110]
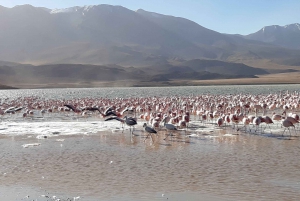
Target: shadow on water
[167, 145]
[273, 136]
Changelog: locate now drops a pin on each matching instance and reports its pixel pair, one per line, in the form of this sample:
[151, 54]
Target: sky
[224, 16]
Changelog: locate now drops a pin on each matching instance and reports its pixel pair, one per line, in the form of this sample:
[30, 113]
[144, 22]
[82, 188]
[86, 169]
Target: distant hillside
[221, 67]
[66, 73]
[208, 66]
[6, 87]
[195, 76]
[19, 74]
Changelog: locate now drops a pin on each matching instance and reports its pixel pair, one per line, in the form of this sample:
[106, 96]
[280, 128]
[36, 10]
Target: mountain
[105, 34]
[287, 36]
[112, 44]
[92, 34]
[227, 47]
[187, 29]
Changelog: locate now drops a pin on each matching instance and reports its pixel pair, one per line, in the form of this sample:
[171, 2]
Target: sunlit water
[97, 160]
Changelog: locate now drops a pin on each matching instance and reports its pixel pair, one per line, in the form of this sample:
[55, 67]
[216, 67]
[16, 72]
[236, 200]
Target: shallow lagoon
[90, 159]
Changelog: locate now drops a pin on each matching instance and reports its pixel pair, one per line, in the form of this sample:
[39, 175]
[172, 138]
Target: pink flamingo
[287, 124]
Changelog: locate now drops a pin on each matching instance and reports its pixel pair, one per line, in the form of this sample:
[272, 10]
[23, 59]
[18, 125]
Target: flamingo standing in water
[169, 127]
[149, 130]
[131, 122]
[256, 121]
[1, 113]
[267, 120]
[277, 117]
[246, 121]
[287, 124]
[220, 121]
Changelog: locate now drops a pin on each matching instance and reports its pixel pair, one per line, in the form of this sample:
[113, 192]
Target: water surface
[94, 160]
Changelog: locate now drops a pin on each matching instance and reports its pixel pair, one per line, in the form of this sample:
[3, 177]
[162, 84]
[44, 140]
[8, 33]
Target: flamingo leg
[146, 137]
[237, 127]
[152, 138]
[283, 132]
[266, 127]
[166, 136]
[170, 134]
[270, 129]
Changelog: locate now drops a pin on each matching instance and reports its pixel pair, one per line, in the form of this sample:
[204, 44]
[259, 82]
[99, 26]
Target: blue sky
[225, 16]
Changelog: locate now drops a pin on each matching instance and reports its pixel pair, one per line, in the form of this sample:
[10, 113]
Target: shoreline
[175, 83]
[269, 79]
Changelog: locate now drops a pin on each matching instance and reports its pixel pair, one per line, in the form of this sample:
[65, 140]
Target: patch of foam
[116, 130]
[212, 136]
[206, 130]
[31, 145]
[193, 135]
[49, 129]
[229, 135]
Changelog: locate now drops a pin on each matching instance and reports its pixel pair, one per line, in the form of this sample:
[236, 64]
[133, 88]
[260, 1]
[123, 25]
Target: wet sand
[209, 164]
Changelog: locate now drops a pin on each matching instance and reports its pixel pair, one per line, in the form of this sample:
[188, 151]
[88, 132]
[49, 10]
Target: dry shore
[282, 78]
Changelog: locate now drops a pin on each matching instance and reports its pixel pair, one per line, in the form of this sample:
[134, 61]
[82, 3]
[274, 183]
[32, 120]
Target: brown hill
[51, 74]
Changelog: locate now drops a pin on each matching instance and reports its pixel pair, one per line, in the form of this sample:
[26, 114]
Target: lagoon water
[94, 160]
[108, 92]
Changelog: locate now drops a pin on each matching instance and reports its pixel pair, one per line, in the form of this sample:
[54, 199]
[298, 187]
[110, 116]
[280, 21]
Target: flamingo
[277, 117]
[71, 107]
[149, 130]
[246, 121]
[287, 124]
[268, 121]
[155, 123]
[131, 122]
[234, 119]
[122, 121]
[220, 121]
[1, 112]
[92, 109]
[256, 121]
[169, 127]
